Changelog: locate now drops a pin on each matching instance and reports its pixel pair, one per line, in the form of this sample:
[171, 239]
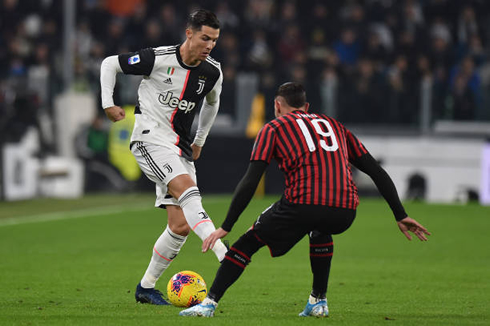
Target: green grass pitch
[77, 262]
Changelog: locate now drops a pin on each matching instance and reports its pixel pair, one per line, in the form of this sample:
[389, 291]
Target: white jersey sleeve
[108, 71]
[136, 63]
[208, 113]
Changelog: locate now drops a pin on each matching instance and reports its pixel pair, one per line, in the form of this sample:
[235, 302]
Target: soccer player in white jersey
[175, 80]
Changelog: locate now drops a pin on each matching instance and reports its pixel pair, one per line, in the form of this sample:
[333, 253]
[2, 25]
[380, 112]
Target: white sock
[313, 300]
[207, 301]
[165, 250]
[199, 221]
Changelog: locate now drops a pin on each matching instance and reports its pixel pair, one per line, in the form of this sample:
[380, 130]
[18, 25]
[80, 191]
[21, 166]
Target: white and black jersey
[169, 96]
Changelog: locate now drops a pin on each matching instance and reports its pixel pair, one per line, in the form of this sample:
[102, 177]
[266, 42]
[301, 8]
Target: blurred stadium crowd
[364, 62]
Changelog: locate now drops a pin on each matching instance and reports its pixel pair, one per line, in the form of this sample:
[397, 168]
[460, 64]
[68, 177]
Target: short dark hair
[293, 93]
[202, 17]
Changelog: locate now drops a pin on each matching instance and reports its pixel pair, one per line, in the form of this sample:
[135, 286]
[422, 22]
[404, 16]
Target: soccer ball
[186, 289]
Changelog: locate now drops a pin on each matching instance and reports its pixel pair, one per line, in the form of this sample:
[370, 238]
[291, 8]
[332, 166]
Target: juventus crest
[200, 87]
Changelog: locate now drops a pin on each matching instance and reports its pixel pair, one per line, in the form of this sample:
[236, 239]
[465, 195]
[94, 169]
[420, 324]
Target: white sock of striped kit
[199, 221]
[165, 250]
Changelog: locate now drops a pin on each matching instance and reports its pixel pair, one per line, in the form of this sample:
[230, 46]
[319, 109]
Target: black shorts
[284, 224]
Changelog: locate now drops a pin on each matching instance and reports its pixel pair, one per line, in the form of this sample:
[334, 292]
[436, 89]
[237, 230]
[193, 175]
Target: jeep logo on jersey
[174, 102]
[201, 86]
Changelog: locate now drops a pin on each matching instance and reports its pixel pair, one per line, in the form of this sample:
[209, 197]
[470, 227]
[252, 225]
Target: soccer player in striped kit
[314, 152]
[175, 80]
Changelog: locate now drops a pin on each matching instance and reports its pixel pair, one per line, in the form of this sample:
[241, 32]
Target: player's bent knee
[178, 185]
[319, 237]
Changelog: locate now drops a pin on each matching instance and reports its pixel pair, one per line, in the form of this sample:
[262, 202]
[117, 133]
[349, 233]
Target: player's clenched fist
[115, 113]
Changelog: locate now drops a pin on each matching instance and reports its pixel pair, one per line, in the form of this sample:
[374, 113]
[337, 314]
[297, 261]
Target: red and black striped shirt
[314, 151]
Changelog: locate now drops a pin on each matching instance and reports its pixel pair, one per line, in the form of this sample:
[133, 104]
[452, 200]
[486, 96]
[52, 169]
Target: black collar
[181, 62]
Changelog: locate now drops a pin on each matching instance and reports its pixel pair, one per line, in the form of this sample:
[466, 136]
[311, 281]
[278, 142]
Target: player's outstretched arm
[242, 196]
[409, 224]
[243, 193]
[383, 182]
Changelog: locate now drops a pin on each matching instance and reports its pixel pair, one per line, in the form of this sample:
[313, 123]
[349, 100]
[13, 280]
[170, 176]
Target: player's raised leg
[185, 190]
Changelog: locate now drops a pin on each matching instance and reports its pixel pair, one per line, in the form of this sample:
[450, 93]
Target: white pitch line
[65, 215]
